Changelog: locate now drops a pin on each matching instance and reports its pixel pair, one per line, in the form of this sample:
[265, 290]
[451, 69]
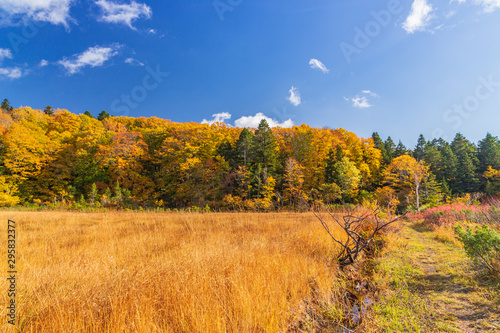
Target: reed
[165, 272]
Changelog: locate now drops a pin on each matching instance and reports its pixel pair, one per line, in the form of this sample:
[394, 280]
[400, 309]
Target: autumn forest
[59, 159]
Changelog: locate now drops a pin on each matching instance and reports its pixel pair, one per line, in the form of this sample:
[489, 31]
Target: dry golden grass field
[164, 272]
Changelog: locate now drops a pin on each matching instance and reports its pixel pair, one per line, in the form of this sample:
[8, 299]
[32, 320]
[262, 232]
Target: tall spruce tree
[379, 144]
[467, 180]
[265, 146]
[330, 167]
[419, 151]
[244, 147]
[400, 150]
[227, 151]
[334, 156]
[449, 165]
[390, 148]
[6, 105]
[432, 156]
[488, 153]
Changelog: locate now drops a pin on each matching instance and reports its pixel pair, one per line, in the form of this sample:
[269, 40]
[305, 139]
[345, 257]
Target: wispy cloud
[316, 64]
[217, 118]
[123, 13]
[94, 57]
[5, 53]
[12, 72]
[294, 97]
[133, 62]
[52, 11]
[361, 100]
[369, 92]
[450, 14]
[253, 121]
[488, 5]
[419, 18]
[43, 63]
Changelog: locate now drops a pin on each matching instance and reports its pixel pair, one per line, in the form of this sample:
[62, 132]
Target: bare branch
[356, 242]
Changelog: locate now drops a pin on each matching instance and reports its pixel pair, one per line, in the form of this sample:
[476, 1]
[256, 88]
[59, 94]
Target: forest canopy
[55, 156]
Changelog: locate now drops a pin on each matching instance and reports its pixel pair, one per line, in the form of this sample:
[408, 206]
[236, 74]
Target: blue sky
[397, 67]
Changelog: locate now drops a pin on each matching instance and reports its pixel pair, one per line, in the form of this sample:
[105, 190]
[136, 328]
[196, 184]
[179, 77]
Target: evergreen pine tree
[400, 150]
[449, 165]
[390, 148]
[467, 180]
[6, 105]
[48, 110]
[379, 144]
[432, 156]
[103, 115]
[445, 189]
[334, 156]
[488, 153]
[419, 151]
[265, 146]
[330, 167]
[244, 147]
[227, 151]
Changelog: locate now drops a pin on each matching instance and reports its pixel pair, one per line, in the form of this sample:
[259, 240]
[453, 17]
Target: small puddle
[357, 313]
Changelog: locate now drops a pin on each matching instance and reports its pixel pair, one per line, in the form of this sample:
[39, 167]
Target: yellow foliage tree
[7, 191]
[405, 174]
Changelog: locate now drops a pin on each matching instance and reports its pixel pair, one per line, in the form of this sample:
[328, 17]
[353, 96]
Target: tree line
[55, 157]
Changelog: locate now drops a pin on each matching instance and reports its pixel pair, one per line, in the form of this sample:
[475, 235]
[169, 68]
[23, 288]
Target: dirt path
[443, 285]
[448, 282]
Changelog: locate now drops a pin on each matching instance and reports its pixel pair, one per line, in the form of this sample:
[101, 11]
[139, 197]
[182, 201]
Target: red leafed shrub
[450, 214]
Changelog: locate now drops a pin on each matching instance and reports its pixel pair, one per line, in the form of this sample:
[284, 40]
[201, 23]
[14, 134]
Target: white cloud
[253, 121]
[5, 53]
[419, 18]
[361, 102]
[369, 92]
[294, 97]
[133, 62]
[13, 73]
[123, 13]
[152, 31]
[316, 64]
[488, 5]
[217, 118]
[43, 63]
[450, 14]
[53, 11]
[94, 57]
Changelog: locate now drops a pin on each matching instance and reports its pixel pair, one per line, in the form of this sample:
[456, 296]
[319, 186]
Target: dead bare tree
[358, 239]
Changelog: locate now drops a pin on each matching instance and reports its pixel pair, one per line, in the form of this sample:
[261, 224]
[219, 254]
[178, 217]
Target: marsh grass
[165, 272]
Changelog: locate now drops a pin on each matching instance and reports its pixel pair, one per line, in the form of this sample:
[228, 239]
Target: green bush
[482, 245]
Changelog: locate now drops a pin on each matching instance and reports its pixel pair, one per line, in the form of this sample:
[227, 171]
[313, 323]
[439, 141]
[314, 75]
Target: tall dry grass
[164, 272]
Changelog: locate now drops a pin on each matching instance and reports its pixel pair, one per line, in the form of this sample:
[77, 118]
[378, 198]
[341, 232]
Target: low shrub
[482, 244]
[450, 214]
